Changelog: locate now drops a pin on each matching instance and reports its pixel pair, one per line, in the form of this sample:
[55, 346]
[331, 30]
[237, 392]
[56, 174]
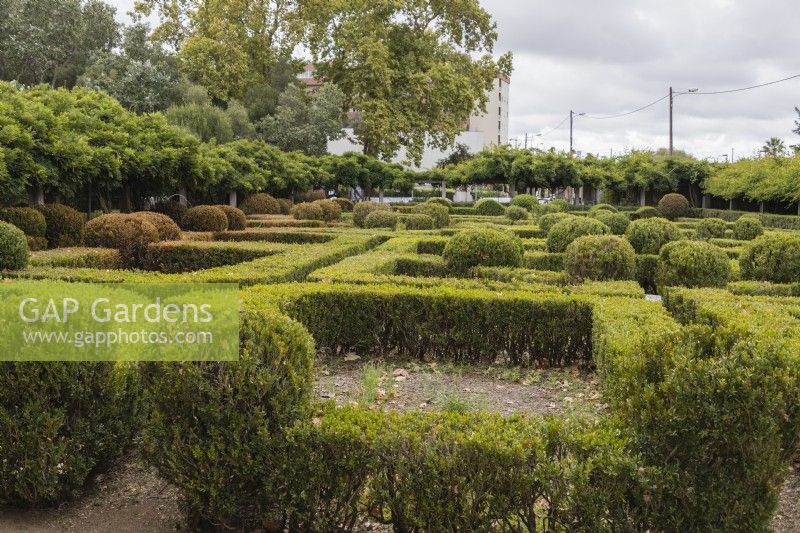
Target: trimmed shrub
[190, 256]
[600, 257]
[311, 196]
[167, 229]
[645, 212]
[482, 247]
[13, 247]
[646, 269]
[345, 204]
[129, 234]
[205, 218]
[214, 429]
[60, 423]
[674, 205]
[30, 221]
[331, 210]
[440, 201]
[545, 222]
[64, 225]
[692, 264]
[418, 221]
[382, 218]
[439, 213]
[747, 228]
[774, 257]
[616, 222]
[362, 209]
[489, 207]
[171, 208]
[603, 207]
[526, 201]
[566, 231]
[285, 206]
[711, 228]
[261, 204]
[648, 235]
[516, 212]
[237, 220]
[308, 211]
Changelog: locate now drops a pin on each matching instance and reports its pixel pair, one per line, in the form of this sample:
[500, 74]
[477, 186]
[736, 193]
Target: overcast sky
[612, 56]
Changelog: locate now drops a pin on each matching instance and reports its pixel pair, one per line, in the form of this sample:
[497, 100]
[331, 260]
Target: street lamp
[572, 115]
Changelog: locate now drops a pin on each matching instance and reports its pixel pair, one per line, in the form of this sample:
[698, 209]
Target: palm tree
[774, 147]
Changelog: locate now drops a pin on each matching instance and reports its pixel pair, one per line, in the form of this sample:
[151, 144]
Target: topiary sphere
[237, 220]
[382, 218]
[616, 222]
[648, 235]
[308, 211]
[603, 207]
[205, 218]
[747, 228]
[439, 213]
[174, 210]
[30, 221]
[566, 231]
[418, 221]
[489, 207]
[331, 211]
[13, 247]
[362, 209]
[674, 205]
[64, 225]
[692, 264]
[129, 234]
[600, 257]
[482, 247]
[261, 204]
[440, 201]
[345, 204]
[516, 212]
[773, 257]
[526, 201]
[645, 212]
[545, 222]
[711, 228]
[167, 229]
[285, 206]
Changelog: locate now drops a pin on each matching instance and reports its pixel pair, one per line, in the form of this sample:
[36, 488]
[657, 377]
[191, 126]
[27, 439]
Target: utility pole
[571, 116]
[670, 121]
[526, 140]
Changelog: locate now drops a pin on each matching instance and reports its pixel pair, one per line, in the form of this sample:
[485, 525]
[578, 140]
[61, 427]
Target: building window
[498, 139]
[499, 126]
[499, 111]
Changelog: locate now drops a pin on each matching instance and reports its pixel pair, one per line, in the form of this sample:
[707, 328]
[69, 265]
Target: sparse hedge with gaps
[237, 220]
[60, 423]
[600, 257]
[205, 218]
[774, 257]
[171, 208]
[711, 228]
[489, 207]
[167, 229]
[64, 225]
[566, 231]
[331, 211]
[747, 228]
[439, 213]
[13, 247]
[418, 221]
[30, 221]
[616, 222]
[692, 264]
[381, 218]
[261, 204]
[308, 211]
[648, 235]
[482, 247]
[129, 234]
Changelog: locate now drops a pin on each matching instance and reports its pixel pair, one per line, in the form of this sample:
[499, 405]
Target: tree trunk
[127, 202]
[380, 194]
[761, 207]
[182, 196]
[730, 204]
[232, 199]
[643, 197]
[706, 201]
[39, 194]
[444, 189]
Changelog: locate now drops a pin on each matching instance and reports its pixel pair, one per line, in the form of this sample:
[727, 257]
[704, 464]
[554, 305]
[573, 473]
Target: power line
[551, 130]
[606, 117]
[743, 88]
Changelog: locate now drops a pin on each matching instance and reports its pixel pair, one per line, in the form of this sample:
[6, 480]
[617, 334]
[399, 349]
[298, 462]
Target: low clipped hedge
[13, 247]
[616, 222]
[603, 207]
[30, 221]
[418, 221]
[444, 202]
[645, 212]
[381, 218]
[516, 212]
[185, 256]
[308, 211]
[599, 257]
[545, 222]
[648, 235]
[64, 225]
[171, 208]
[205, 218]
[167, 229]
[331, 211]
[747, 228]
[692, 264]
[362, 209]
[566, 231]
[774, 257]
[769, 220]
[60, 423]
[482, 247]
[237, 220]
[129, 234]
[489, 207]
[673, 206]
[711, 228]
[439, 213]
[261, 204]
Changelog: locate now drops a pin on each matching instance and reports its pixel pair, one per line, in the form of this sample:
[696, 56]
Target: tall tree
[774, 147]
[407, 67]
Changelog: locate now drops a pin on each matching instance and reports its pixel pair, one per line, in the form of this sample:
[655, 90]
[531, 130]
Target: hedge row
[770, 221]
[286, 237]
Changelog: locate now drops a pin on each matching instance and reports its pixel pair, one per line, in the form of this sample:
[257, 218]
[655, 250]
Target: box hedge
[205, 218]
[171, 208]
[418, 221]
[237, 220]
[30, 221]
[261, 204]
[566, 231]
[167, 229]
[129, 234]
[489, 207]
[599, 257]
[439, 213]
[692, 264]
[13, 247]
[64, 225]
[711, 228]
[648, 235]
[381, 218]
[747, 228]
[774, 257]
[482, 247]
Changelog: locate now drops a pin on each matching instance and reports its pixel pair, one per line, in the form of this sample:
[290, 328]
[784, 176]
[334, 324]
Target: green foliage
[286, 206]
[439, 213]
[489, 207]
[648, 235]
[331, 211]
[418, 221]
[482, 247]
[773, 257]
[711, 228]
[129, 234]
[603, 207]
[187, 256]
[646, 270]
[545, 222]
[237, 220]
[381, 218]
[205, 218]
[516, 212]
[64, 225]
[261, 204]
[345, 204]
[747, 228]
[645, 212]
[308, 211]
[692, 264]
[526, 201]
[566, 231]
[13, 247]
[599, 257]
[103, 258]
[673, 205]
[30, 221]
[441, 201]
[362, 209]
[167, 229]
[61, 423]
[174, 210]
[616, 222]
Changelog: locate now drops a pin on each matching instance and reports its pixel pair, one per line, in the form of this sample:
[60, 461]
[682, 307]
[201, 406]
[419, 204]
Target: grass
[372, 377]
